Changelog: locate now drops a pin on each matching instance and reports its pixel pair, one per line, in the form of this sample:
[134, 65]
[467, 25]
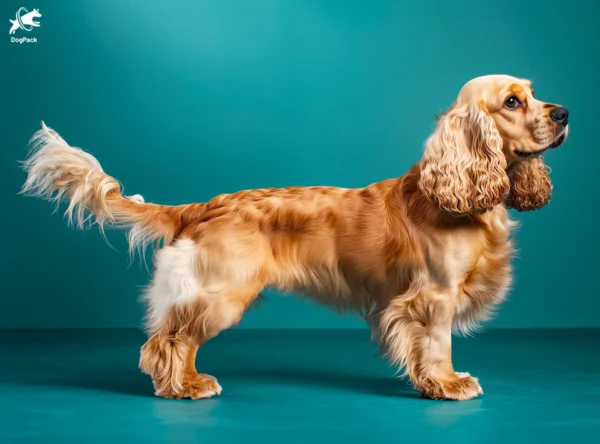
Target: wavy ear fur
[530, 186]
[463, 168]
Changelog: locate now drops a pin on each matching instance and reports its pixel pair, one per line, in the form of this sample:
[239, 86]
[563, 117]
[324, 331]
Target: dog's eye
[512, 102]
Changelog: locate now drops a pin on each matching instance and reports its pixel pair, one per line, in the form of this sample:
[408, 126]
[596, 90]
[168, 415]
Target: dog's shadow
[243, 367]
[321, 378]
[115, 377]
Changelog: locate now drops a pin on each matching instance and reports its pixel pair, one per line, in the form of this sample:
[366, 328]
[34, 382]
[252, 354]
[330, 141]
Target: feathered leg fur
[417, 334]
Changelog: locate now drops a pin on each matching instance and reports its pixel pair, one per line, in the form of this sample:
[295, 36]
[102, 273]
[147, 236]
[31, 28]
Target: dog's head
[36, 13]
[486, 149]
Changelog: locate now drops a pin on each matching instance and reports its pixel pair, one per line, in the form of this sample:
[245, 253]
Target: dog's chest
[451, 256]
[483, 275]
[471, 253]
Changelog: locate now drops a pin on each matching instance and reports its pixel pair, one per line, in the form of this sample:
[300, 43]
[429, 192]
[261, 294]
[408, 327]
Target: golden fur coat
[418, 256]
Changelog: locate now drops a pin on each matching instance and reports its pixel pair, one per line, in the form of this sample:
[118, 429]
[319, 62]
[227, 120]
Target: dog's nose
[560, 115]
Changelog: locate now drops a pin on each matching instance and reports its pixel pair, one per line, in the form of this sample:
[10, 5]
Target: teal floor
[297, 386]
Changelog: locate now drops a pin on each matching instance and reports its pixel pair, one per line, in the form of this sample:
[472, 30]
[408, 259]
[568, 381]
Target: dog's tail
[59, 172]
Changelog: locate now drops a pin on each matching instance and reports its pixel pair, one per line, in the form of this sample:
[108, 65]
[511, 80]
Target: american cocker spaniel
[418, 256]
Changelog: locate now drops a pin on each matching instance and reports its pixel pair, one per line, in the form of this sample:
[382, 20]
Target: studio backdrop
[184, 100]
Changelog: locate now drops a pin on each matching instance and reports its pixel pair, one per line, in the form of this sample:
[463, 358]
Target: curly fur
[463, 168]
[530, 186]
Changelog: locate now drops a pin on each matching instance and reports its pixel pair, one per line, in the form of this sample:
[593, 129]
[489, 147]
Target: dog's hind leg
[169, 355]
[200, 288]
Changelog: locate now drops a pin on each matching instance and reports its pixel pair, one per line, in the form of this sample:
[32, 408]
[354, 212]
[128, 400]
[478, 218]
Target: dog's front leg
[417, 334]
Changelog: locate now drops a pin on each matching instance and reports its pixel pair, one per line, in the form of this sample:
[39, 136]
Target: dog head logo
[25, 20]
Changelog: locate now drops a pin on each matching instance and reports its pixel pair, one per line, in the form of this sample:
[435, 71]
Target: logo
[24, 20]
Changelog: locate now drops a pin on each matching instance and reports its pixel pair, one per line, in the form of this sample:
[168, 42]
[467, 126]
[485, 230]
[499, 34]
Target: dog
[25, 20]
[418, 256]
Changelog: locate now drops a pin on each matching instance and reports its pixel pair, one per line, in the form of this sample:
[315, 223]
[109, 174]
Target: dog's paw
[200, 386]
[459, 387]
[193, 386]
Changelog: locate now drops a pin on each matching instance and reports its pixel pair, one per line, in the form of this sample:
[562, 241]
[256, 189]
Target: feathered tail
[59, 172]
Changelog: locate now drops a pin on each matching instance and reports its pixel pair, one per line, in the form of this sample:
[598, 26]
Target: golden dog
[417, 256]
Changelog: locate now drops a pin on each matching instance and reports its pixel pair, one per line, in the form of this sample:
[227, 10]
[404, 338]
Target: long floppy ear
[463, 168]
[530, 186]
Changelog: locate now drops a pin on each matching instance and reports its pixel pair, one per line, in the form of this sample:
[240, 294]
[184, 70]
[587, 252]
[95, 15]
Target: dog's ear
[530, 186]
[463, 168]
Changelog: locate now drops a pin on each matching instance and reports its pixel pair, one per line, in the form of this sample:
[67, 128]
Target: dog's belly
[349, 286]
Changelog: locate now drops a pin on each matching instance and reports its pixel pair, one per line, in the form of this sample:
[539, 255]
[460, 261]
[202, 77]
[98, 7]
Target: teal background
[182, 100]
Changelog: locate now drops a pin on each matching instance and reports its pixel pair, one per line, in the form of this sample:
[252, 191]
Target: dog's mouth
[558, 141]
